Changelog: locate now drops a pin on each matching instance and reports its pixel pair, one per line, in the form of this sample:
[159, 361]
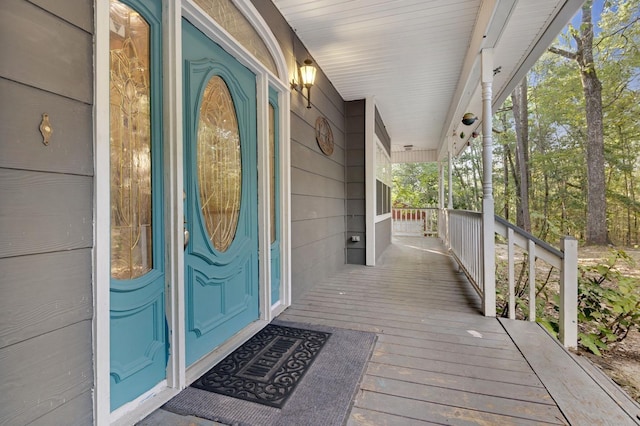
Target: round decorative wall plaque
[324, 135]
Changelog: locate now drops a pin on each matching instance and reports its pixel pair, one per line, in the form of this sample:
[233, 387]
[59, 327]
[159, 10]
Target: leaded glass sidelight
[219, 164]
[130, 143]
[272, 170]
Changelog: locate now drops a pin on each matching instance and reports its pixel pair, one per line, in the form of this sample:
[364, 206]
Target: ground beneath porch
[622, 362]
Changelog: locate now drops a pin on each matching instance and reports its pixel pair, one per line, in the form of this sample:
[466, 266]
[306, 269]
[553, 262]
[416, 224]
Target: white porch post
[488, 217]
[450, 172]
[449, 196]
[441, 217]
[440, 185]
[569, 293]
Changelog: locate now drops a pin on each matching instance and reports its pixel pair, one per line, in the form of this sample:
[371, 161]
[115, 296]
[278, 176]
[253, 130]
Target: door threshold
[136, 410]
[205, 363]
[142, 406]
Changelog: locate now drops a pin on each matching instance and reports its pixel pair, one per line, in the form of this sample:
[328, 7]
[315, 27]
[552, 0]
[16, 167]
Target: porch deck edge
[584, 397]
[622, 398]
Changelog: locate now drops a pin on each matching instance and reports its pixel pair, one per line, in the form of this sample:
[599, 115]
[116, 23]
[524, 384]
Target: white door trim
[102, 217]
[173, 182]
[370, 179]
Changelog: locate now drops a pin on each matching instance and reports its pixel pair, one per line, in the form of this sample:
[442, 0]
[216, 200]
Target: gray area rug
[323, 396]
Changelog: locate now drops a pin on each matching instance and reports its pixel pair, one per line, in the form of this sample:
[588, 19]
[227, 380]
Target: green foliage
[550, 324]
[467, 172]
[558, 135]
[547, 300]
[608, 301]
[608, 304]
[415, 185]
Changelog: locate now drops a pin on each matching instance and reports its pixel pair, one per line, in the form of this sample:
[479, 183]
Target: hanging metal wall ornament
[324, 136]
[468, 119]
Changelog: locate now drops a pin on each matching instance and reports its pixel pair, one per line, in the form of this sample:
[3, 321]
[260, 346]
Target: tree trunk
[596, 200]
[542, 148]
[465, 194]
[596, 232]
[505, 161]
[628, 160]
[521, 118]
[477, 178]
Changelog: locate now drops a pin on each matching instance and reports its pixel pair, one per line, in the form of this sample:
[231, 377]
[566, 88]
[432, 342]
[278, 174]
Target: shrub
[608, 303]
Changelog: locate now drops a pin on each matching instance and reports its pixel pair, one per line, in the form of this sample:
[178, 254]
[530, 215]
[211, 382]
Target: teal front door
[138, 330]
[221, 194]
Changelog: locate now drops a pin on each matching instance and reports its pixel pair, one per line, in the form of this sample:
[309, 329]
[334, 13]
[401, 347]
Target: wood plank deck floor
[437, 359]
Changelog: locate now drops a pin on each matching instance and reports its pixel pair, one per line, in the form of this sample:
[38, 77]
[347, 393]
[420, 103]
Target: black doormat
[267, 368]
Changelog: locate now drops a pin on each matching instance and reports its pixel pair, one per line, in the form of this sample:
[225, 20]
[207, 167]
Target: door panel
[138, 336]
[138, 341]
[221, 211]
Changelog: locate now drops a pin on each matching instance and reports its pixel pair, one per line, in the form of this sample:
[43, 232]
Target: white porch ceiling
[420, 58]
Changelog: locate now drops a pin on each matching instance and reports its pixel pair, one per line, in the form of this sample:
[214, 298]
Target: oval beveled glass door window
[219, 164]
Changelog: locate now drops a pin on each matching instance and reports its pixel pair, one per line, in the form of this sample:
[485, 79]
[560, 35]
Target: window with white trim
[383, 180]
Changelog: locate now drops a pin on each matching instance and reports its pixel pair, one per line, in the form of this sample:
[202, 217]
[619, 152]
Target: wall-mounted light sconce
[308, 74]
[468, 119]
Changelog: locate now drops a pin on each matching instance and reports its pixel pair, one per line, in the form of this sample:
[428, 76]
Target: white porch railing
[465, 243]
[415, 222]
[463, 236]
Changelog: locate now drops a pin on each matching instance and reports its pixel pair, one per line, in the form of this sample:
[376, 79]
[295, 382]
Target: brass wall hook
[45, 129]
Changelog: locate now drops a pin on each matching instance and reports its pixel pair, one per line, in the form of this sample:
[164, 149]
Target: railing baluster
[415, 222]
[532, 280]
[564, 260]
[477, 242]
[463, 238]
[462, 233]
[511, 278]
